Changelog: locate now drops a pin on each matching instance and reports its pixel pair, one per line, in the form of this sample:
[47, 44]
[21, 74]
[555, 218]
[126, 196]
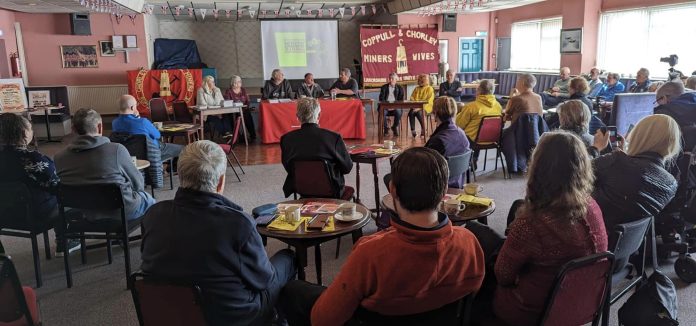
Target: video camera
[672, 61]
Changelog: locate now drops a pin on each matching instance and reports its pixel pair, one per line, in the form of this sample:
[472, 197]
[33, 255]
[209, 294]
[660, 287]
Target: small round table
[371, 158]
[471, 212]
[302, 240]
[142, 164]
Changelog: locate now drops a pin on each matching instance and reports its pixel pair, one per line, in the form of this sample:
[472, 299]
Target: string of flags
[450, 5]
[149, 9]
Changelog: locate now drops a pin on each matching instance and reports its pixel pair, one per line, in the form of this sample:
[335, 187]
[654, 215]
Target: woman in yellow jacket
[424, 92]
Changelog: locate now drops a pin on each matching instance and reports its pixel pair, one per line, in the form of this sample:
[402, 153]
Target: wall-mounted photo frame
[106, 48]
[571, 40]
[79, 56]
[117, 41]
[131, 41]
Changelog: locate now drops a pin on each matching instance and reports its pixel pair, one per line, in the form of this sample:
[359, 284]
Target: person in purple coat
[448, 139]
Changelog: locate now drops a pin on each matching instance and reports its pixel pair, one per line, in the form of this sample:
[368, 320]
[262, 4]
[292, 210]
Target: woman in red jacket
[558, 222]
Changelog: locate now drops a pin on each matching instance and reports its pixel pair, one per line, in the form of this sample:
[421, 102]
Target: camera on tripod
[672, 61]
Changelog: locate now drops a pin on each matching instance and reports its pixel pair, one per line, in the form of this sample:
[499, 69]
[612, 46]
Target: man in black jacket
[276, 87]
[204, 238]
[451, 87]
[391, 92]
[313, 143]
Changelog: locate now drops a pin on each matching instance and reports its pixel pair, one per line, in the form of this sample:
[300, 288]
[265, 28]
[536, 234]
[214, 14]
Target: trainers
[73, 245]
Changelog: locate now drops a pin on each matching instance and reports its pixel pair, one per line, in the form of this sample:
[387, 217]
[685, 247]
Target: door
[470, 54]
[503, 62]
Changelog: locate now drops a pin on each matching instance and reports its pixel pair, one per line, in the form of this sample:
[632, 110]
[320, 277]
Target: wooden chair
[166, 302]
[18, 305]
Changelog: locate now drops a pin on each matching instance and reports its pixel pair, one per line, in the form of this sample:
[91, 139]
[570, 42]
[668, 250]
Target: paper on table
[280, 223]
[469, 199]
[330, 225]
[385, 151]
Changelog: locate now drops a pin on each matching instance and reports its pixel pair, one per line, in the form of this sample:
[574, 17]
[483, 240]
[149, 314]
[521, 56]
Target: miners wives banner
[407, 51]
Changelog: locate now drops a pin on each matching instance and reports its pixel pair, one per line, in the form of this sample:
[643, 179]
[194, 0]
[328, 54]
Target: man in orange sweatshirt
[420, 263]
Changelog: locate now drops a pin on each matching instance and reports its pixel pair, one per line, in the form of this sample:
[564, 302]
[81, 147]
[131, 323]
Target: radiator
[103, 99]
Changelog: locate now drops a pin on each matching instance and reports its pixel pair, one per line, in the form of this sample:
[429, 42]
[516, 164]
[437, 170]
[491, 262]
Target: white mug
[292, 213]
[347, 209]
[389, 144]
[472, 188]
[158, 125]
[453, 206]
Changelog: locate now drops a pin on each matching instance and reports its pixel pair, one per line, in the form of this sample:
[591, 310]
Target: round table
[142, 164]
[471, 212]
[302, 240]
[371, 158]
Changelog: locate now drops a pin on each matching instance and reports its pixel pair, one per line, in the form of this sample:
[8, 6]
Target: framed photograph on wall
[79, 56]
[117, 41]
[106, 49]
[131, 41]
[571, 40]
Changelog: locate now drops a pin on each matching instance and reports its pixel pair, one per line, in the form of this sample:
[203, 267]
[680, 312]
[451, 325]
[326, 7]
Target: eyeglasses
[664, 97]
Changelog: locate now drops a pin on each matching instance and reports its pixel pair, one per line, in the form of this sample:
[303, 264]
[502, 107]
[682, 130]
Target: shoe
[73, 245]
[413, 133]
[227, 135]
[396, 131]
[386, 132]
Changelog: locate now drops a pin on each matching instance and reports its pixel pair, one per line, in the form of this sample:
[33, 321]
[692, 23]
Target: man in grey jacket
[92, 158]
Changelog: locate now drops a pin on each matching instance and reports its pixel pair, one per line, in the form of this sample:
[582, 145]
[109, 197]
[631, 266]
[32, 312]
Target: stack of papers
[280, 224]
[480, 201]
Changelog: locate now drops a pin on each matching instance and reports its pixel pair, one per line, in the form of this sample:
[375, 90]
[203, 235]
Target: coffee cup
[292, 214]
[389, 144]
[158, 125]
[472, 188]
[453, 206]
[347, 209]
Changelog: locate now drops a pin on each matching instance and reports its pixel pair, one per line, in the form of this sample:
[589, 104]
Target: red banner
[407, 51]
[171, 85]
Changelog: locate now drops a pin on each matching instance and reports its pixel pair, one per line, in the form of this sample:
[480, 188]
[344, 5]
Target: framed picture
[131, 41]
[79, 56]
[117, 41]
[39, 98]
[571, 40]
[12, 95]
[106, 48]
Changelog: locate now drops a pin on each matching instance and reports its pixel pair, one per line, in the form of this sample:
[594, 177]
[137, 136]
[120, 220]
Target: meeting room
[304, 162]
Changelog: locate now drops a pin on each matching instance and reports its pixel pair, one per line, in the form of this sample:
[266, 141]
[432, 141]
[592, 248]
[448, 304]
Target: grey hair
[614, 75]
[346, 71]
[486, 87]
[644, 71]
[394, 75]
[574, 115]
[670, 90]
[234, 79]
[308, 110]
[201, 164]
[274, 73]
[86, 121]
[528, 80]
[205, 83]
[691, 83]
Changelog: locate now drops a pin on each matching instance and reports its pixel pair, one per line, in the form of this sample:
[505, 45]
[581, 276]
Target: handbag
[653, 304]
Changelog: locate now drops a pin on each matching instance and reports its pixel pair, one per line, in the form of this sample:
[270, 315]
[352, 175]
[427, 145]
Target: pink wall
[545, 9]
[467, 26]
[43, 35]
[7, 19]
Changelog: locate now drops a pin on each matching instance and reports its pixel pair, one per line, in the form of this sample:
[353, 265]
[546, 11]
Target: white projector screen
[300, 46]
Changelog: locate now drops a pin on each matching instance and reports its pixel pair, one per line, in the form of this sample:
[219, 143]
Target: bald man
[559, 92]
[129, 122]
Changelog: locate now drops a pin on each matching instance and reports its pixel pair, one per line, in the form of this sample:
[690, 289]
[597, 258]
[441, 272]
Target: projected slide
[298, 47]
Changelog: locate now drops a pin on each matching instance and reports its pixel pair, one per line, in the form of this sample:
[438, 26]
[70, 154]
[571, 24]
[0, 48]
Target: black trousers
[412, 115]
[397, 118]
[298, 298]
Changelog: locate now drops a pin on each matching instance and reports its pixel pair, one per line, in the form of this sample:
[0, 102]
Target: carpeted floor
[99, 295]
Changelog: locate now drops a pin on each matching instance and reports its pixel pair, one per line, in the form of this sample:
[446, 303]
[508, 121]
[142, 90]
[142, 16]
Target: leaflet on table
[312, 208]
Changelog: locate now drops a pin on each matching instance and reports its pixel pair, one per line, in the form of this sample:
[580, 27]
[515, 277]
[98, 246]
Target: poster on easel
[12, 95]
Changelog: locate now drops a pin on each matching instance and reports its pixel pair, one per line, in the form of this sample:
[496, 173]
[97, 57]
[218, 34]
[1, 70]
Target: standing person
[345, 86]
[642, 83]
[238, 93]
[391, 92]
[423, 92]
[451, 87]
[210, 95]
[309, 88]
[276, 87]
[559, 92]
[419, 264]
[523, 98]
[204, 238]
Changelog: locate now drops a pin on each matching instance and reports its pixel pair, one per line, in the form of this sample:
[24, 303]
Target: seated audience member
[238, 93]
[35, 170]
[612, 87]
[451, 87]
[448, 139]
[523, 99]
[691, 83]
[635, 184]
[345, 86]
[313, 143]
[674, 101]
[419, 264]
[391, 92]
[277, 87]
[559, 92]
[655, 85]
[210, 95]
[309, 88]
[202, 237]
[423, 92]
[595, 83]
[642, 83]
[91, 158]
[578, 89]
[574, 117]
[469, 118]
[129, 122]
[558, 222]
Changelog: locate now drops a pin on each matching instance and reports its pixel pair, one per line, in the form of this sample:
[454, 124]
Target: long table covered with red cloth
[345, 117]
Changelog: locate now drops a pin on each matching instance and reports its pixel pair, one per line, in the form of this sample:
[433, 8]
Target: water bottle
[333, 95]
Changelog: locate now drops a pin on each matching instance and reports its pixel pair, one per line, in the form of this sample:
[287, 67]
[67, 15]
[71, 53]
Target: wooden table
[203, 112]
[302, 240]
[372, 104]
[372, 159]
[142, 164]
[398, 105]
[471, 212]
[188, 132]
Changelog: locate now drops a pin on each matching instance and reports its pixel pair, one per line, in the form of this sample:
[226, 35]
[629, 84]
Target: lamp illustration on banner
[401, 64]
[252, 13]
[342, 11]
[202, 12]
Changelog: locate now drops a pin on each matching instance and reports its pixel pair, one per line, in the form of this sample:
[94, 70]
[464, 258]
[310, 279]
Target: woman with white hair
[276, 87]
[210, 95]
[237, 93]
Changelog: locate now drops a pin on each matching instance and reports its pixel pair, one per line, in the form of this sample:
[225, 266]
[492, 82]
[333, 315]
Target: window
[631, 39]
[535, 45]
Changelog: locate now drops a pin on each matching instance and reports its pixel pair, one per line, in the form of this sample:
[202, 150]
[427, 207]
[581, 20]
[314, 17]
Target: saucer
[354, 217]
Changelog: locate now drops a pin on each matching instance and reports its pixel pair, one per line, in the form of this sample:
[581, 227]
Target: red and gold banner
[171, 85]
[407, 51]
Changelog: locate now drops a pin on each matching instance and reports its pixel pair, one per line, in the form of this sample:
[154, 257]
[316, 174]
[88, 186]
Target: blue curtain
[177, 54]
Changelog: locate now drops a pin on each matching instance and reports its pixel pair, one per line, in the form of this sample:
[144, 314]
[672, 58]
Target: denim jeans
[285, 270]
[146, 201]
[170, 150]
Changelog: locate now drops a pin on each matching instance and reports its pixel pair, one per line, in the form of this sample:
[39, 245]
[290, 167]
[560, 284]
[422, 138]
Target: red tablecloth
[345, 117]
